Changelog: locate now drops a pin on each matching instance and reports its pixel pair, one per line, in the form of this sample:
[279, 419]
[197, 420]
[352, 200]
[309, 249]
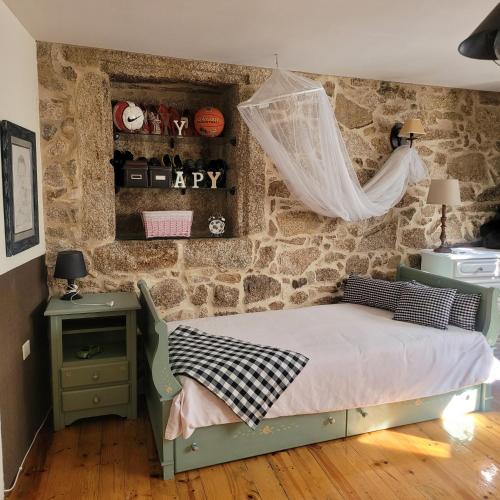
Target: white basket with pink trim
[168, 223]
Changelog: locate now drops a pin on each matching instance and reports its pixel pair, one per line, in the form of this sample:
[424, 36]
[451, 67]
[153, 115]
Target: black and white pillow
[425, 305]
[464, 309]
[372, 292]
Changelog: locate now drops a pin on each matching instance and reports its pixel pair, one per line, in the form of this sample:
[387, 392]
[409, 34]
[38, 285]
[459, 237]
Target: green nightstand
[106, 383]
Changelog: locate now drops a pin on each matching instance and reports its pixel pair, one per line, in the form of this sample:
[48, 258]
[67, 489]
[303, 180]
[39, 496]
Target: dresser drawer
[95, 398]
[94, 374]
[221, 443]
[472, 268]
[379, 417]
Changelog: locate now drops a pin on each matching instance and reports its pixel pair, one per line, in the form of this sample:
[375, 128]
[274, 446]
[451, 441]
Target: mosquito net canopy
[291, 117]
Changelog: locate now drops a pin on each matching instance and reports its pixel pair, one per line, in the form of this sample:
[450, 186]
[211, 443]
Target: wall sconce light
[484, 42]
[410, 130]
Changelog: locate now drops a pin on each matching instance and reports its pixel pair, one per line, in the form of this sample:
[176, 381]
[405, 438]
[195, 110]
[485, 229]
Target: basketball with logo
[209, 122]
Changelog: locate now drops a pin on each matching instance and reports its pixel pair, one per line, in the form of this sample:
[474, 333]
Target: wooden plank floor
[110, 458]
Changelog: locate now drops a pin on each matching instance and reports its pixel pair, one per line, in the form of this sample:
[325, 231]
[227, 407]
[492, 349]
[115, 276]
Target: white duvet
[358, 356]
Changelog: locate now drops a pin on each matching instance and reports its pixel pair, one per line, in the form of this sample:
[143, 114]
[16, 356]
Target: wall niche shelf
[205, 202]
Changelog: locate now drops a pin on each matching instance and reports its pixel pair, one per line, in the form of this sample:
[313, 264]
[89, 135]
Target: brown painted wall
[24, 385]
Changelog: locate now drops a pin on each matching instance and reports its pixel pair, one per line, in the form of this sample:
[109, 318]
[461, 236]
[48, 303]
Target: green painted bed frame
[223, 443]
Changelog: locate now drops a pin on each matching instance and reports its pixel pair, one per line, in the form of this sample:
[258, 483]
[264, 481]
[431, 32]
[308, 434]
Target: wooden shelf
[142, 237]
[104, 329]
[172, 139]
[230, 190]
[110, 352]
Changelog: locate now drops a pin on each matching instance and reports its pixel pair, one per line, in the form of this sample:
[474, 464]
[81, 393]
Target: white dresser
[475, 265]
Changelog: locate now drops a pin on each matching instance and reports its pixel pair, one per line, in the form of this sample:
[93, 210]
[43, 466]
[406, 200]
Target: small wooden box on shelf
[105, 383]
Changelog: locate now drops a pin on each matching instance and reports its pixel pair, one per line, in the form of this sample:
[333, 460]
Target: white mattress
[358, 356]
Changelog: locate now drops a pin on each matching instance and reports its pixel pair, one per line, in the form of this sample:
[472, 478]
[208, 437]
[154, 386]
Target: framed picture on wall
[20, 191]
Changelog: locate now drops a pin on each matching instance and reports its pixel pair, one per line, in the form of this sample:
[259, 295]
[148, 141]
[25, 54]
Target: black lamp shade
[481, 44]
[70, 265]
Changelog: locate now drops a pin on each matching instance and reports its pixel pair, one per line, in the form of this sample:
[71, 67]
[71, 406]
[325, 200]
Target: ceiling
[382, 39]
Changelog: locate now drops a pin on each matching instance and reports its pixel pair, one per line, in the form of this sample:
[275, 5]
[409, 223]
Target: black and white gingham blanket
[249, 378]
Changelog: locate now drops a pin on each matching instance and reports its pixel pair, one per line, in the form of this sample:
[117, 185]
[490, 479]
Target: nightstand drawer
[471, 268]
[95, 398]
[94, 374]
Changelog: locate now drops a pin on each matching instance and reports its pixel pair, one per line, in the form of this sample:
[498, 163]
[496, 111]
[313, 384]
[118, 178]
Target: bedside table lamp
[69, 266]
[444, 192]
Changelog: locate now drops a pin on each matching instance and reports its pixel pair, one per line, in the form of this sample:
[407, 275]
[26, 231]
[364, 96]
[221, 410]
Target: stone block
[226, 296]
[199, 295]
[278, 189]
[414, 238]
[298, 222]
[266, 256]
[327, 274]
[229, 277]
[135, 256]
[168, 293]
[357, 264]
[469, 167]
[350, 114]
[220, 253]
[381, 236]
[298, 297]
[260, 287]
[295, 262]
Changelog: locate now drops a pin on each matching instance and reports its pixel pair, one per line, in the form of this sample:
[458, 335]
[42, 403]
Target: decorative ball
[209, 122]
[133, 117]
[127, 116]
[118, 109]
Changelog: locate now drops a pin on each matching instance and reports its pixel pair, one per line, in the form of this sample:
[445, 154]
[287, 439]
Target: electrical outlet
[26, 349]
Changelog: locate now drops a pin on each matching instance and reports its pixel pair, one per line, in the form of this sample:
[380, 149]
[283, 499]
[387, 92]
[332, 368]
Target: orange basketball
[209, 122]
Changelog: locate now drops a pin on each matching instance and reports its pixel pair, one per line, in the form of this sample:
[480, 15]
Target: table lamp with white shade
[444, 192]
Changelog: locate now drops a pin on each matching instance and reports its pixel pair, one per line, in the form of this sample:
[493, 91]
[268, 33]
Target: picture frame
[20, 188]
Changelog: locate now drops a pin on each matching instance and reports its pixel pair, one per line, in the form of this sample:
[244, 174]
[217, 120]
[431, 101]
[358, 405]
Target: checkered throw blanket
[249, 378]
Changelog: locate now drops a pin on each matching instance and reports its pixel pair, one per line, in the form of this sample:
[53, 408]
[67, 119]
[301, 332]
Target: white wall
[19, 104]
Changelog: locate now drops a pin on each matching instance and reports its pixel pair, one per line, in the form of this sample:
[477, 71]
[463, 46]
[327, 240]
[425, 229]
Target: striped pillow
[372, 292]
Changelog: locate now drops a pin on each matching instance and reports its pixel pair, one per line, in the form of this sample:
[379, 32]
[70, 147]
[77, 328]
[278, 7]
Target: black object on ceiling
[484, 42]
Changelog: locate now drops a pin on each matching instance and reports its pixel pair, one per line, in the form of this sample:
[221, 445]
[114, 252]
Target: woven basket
[168, 224]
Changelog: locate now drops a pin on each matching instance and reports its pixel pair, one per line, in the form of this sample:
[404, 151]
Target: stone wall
[284, 255]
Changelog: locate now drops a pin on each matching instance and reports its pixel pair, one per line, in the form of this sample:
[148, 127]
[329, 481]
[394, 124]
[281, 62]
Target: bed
[426, 372]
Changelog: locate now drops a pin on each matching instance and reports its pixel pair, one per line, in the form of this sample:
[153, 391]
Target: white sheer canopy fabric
[291, 117]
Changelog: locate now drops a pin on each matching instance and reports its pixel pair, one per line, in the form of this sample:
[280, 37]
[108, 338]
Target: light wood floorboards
[109, 458]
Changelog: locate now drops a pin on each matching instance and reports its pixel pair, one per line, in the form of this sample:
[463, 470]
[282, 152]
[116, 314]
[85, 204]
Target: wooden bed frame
[223, 443]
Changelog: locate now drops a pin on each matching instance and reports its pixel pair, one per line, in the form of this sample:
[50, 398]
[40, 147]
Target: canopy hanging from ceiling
[292, 119]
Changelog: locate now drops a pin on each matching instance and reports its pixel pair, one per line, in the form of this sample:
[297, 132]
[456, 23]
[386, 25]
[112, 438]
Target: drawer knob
[195, 447]
[362, 412]
[95, 376]
[96, 400]
[480, 269]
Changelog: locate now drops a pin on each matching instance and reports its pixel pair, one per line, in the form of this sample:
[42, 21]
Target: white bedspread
[358, 356]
